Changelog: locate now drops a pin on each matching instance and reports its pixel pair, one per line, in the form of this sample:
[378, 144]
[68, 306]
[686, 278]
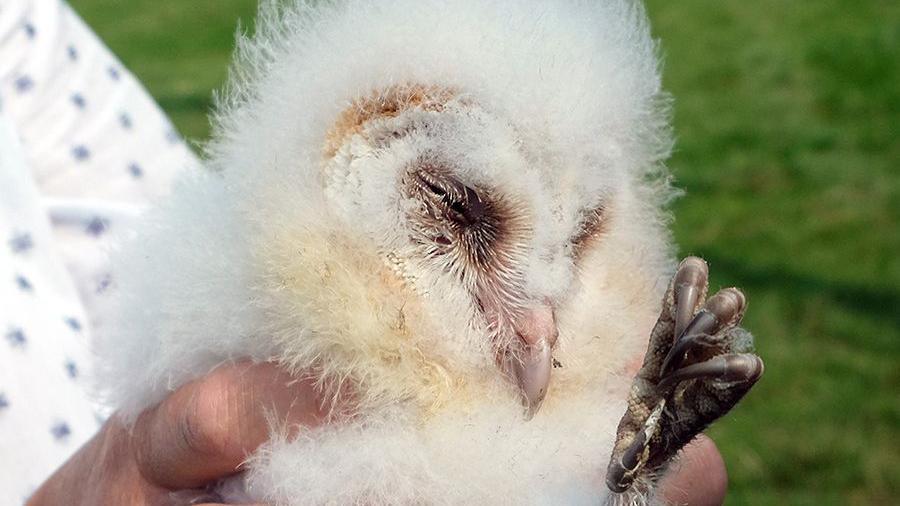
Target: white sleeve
[45, 413]
[83, 148]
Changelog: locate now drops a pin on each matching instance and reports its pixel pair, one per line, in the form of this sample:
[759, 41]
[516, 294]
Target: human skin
[206, 429]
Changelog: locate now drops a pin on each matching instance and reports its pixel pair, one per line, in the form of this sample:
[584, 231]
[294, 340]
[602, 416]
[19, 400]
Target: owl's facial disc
[462, 216]
[477, 235]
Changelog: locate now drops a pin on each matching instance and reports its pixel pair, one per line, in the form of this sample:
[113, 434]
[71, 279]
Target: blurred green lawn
[788, 123]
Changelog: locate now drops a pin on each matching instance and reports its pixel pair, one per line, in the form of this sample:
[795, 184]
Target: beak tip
[533, 405]
[532, 374]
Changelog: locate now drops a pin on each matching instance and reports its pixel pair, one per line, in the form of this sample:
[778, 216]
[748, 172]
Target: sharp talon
[630, 459]
[704, 322]
[689, 283]
[613, 477]
[620, 475]
[621, 472]
[685, 302]
[728, 368]
[724, 308]
[676, 355]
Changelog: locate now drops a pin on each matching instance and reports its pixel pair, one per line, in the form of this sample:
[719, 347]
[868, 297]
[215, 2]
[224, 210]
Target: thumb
[208, 427]
[698, 478]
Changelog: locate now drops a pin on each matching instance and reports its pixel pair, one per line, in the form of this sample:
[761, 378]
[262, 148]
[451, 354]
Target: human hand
[698, 478]
[205, 430]
[199, 434]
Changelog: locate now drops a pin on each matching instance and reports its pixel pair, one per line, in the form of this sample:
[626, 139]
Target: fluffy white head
[324, 237]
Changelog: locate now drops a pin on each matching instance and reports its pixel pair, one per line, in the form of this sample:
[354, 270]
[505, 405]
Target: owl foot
[698, 365]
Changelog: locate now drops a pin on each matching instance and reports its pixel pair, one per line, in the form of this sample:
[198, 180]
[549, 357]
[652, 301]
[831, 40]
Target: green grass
[179, 49]
[787, 116]
[788, 123]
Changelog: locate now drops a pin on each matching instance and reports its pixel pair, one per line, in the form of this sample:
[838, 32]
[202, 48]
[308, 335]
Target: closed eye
[433, 188]
[593, 225]
[453, 200]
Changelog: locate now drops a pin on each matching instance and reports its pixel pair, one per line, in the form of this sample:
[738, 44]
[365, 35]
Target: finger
[207, 428]
[698, 478]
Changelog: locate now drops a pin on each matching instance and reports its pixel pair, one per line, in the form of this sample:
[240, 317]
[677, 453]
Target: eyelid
[454, 199]
[591, 226]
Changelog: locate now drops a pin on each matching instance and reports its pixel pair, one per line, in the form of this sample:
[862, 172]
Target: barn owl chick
[456, 208]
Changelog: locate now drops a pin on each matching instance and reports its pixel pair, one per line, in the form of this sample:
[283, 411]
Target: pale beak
[530, 367]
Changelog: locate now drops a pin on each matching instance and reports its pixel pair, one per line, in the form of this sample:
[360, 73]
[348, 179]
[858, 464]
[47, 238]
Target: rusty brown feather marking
[387, 103]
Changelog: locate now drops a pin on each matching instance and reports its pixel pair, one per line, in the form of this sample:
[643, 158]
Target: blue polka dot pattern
[60, 431]
[21, 243]
[103, 284]
[16, 337]
[81, 153]
[108, 143]
[73, 323]
[135, 170]
[23, 84]
[96, 227]
[23, 283]
[78, 100]
[71, 369]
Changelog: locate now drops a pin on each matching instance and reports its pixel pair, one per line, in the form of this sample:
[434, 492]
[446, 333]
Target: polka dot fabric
[45, 413]
[83, 149]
